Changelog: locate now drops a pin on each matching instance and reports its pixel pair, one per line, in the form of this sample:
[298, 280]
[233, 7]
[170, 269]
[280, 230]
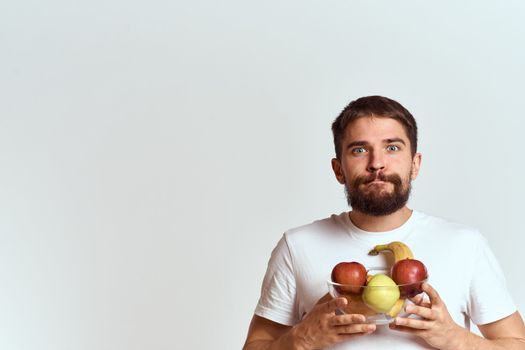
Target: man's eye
[393, 148]
[359, 150]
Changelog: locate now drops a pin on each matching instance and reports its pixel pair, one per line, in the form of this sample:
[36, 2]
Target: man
[376, 159]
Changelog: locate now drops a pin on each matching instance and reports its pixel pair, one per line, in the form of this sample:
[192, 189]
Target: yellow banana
[394, 311]
[400, 250]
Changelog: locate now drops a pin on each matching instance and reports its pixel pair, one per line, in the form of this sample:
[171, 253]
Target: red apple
[351, 273]
[409, 273]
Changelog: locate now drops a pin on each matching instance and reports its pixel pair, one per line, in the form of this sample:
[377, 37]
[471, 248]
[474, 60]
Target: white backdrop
[153, 153]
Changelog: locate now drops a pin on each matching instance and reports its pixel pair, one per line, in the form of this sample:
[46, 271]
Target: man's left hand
[436, 326]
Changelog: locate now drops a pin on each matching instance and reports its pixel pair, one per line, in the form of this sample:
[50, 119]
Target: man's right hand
[320, 328]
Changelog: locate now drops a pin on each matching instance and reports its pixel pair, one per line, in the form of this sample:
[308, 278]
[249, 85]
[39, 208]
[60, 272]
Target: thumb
[333, 304]
[432, 293]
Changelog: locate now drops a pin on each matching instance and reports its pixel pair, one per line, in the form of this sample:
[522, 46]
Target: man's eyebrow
[394, 140]
[364, 143]
[356, 143]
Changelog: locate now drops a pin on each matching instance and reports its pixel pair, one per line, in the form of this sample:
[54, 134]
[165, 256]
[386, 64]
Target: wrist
[296, 340]
[463, 339]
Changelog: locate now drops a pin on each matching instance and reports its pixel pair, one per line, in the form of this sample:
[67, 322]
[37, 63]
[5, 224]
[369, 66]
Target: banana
[400, 250]
[394, 311]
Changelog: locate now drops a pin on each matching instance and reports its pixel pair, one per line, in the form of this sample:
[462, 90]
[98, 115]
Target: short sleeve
[278, 293]
[489, 299]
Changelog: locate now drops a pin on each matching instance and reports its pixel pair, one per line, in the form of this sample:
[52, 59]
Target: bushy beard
[377, 202]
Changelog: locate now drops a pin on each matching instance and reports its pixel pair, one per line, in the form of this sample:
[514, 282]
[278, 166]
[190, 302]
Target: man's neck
[380, 223]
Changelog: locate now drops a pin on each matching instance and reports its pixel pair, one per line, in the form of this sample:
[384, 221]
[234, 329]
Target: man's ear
[338, 170]
[416, 164]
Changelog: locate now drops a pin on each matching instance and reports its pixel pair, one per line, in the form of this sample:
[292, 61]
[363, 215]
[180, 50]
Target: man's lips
[378, 179]
[376, 182]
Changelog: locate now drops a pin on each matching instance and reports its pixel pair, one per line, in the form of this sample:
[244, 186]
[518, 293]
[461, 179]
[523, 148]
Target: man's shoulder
[334, 223]
[443, 226]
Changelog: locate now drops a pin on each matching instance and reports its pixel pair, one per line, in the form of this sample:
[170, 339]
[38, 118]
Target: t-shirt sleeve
[489, 299]
[278, 292]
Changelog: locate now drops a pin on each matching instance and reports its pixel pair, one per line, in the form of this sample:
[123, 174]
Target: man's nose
[376, 162]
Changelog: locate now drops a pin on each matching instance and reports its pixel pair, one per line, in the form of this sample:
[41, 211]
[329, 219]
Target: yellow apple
[381, 293]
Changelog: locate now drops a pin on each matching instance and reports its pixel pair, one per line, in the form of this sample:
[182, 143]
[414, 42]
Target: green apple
[381, 293]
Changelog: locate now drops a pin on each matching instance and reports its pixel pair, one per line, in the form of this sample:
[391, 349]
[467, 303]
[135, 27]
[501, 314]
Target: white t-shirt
[460, 264]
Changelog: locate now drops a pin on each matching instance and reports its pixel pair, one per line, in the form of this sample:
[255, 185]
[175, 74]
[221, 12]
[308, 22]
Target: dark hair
[374, 106]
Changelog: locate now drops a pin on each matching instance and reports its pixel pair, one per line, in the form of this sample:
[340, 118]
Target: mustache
[393, 178]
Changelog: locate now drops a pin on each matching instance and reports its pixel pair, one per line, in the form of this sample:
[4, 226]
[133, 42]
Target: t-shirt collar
[397, 234]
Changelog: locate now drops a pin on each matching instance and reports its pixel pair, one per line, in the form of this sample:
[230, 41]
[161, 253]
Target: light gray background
[153, 153]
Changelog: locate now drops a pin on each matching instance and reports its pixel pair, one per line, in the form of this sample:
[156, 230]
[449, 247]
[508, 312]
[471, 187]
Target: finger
[333, 304]
[412, 323]
[326, 298]
[347, 319]
[404, 329]
[418, 299]
[426, 304]
[424, 312]
[356, 328]
[432, 293]
[345, 337]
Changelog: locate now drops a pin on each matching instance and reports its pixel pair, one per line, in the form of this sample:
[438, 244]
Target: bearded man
[375, 141]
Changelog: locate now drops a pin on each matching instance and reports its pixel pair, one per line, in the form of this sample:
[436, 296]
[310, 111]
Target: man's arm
[264, 334]
[507, 333]
[439, 330]
[320, 328]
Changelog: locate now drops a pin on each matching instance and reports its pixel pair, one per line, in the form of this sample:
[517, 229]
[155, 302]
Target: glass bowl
[380, 304]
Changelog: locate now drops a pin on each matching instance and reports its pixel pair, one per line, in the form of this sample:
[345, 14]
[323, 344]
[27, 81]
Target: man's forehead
[374, 127]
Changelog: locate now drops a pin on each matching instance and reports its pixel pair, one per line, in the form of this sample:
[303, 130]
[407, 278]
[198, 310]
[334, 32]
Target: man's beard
[377, 202]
